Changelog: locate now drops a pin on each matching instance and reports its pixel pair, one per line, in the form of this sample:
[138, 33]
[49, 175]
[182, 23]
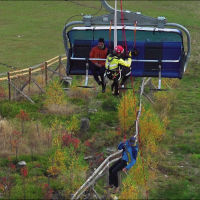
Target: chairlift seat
[161, 46]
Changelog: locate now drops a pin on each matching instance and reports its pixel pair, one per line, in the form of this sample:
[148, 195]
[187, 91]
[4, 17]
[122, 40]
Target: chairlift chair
[161, 51]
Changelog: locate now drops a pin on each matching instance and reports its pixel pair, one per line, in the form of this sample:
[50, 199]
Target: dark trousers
[126, 72]
[98, 71]
[113, 171]
[112, 75]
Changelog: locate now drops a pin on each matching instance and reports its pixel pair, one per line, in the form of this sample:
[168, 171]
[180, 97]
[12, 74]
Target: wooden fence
[19, 83]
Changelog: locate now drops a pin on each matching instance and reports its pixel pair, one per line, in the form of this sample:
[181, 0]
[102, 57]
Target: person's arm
[121, 146]
[133, 160]
[107, 62]
[126, 63]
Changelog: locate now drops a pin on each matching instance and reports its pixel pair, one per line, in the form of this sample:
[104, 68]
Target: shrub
[73, 125]
[151, 131]
[33, 191]
[127, 111]
[57, 163]
[67, 140]
[11, 109]
[23, 116]
[110, 104]
[2, 93]
[102, 119]
[55, 94]
[76, 171]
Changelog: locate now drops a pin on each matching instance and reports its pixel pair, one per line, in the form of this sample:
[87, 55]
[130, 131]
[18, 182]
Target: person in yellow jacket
[117, 68]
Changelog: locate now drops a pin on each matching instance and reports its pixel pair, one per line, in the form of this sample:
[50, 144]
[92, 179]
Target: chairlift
[160, 50]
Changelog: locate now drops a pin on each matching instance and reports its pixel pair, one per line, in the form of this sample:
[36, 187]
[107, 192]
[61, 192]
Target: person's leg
[101, 73]
[111, 177]
[112, 87]
[94, 70]
[126, 72]
[124, 79]
[118, 167]
[116, 86]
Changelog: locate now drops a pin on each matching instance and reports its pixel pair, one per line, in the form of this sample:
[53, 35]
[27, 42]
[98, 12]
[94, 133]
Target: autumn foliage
[2, 92]
[23, 115]
[127, 111]
[151, 130]
[68, 139]
[54, 93]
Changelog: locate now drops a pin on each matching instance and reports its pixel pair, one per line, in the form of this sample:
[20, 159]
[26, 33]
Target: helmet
[132, 140]
[119, 49]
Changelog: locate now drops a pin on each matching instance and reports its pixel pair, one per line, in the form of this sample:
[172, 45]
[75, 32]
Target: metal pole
[45, 65]
[188, 41]
[29, 81]
[59, 68]
[9, 87]
[159, 81]
[115, 25]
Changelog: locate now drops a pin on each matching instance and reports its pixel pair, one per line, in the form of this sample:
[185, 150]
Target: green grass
[31, 32]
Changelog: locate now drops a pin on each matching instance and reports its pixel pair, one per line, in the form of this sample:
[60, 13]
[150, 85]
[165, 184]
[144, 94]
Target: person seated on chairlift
[98, 66]
[116, 66]
[129, 156]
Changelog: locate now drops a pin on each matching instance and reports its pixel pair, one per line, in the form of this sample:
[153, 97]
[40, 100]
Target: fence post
[46, 77]
[9, 87]
[29, 81]
[60, 64]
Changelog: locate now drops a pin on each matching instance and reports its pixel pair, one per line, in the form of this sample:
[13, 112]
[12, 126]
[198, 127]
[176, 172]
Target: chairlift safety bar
[134, 60]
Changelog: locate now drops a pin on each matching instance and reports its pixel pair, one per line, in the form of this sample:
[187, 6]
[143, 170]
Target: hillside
[53, 135]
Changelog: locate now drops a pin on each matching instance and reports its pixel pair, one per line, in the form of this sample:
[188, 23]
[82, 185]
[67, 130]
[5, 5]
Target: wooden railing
[30, 70]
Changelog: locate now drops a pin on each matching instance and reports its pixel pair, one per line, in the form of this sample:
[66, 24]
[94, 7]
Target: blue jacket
[129, 153]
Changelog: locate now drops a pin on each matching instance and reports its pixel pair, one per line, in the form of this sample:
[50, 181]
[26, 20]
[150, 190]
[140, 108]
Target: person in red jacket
[98, 66]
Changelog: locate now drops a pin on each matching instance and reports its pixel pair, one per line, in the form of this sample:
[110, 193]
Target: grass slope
[31, 32]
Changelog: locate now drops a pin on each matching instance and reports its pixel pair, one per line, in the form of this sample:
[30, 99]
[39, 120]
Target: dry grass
[164, 101]
[63, 109]
[80, 93]
[5, 137]
[35, 140]
[167, 83]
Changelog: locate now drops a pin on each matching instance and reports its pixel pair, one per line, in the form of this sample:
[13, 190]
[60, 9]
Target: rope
[125, 44]
[123, 29]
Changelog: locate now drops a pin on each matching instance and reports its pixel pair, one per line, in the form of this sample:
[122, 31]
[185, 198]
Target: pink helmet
[119, 49]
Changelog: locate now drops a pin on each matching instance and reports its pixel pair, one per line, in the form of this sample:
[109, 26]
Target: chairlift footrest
[83, 86]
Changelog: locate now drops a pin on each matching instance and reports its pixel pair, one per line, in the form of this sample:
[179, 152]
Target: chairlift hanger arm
[160, 22]
[65, 34]
[130, 17]
[93, 23]
[188, 41]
